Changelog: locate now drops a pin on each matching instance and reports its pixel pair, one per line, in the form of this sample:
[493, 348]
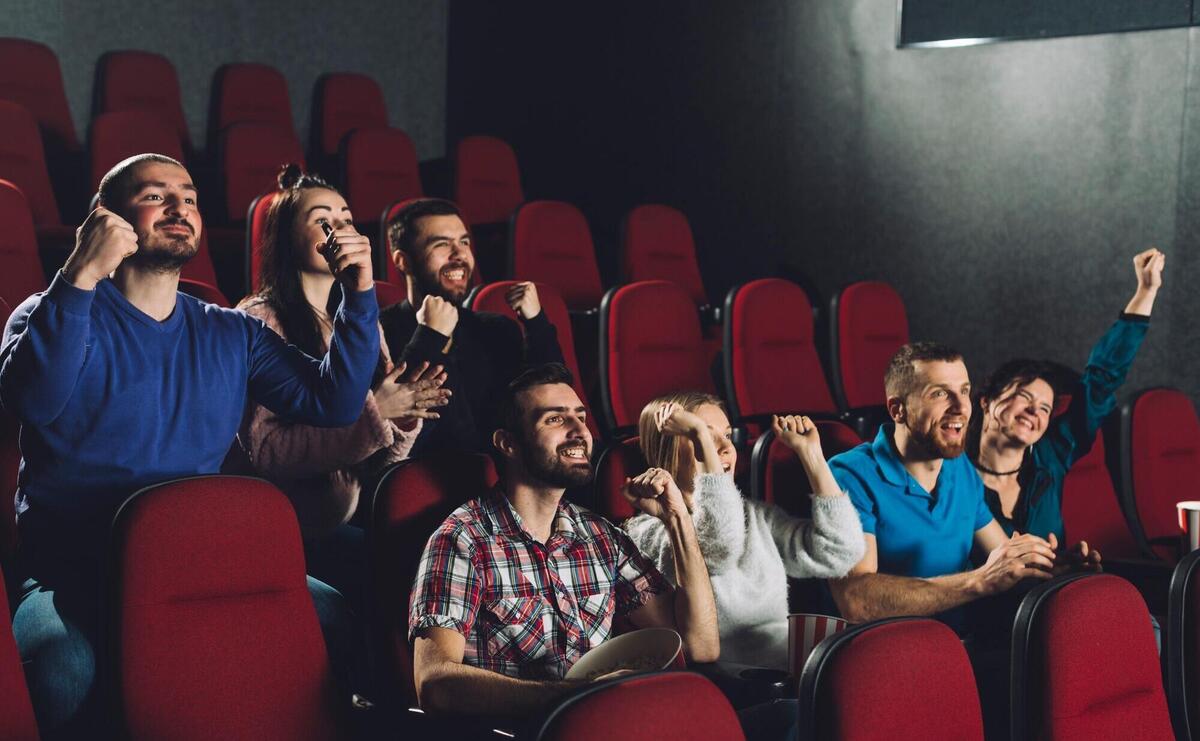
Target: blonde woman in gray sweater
[751, 548]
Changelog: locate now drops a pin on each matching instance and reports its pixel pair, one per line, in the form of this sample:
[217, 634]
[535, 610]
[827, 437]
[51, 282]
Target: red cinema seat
[657, 244]
[30, 76]
[618, 461]
[250, 93]
[116, 136]
[252, 155]
[200, 267]
[650, 345]
[1084, 664]
[20, 266]
[378, 166]
[214, 630]
[344, 102]
[387, 294]
[256, 222]
[869, 324]
[776, 475]
[206, 292]
[902, 679]
[411, 501]
[142, 81]
[1181, 648]
[487, 182]
[643, 707]
[23, 163]
[16, 712]
[1160, 464]
[1091, 509]
[771, 360]
[551, 243]
[490, 297]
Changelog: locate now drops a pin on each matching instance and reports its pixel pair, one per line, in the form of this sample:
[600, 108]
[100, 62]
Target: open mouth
[574, 452]
[1026, 422]
[952, 428]
[454, 274]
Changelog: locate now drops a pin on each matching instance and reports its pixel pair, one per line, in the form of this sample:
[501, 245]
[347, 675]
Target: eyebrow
[446, 237]
[160, 184]
[543, 411]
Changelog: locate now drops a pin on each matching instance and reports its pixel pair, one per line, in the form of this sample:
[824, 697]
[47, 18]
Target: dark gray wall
[401, 44]
[1002, 189]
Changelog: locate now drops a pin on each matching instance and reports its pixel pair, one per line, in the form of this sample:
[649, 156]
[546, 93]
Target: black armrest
[746, 684]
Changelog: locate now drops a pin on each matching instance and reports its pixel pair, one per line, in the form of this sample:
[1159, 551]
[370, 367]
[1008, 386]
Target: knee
[60, 669]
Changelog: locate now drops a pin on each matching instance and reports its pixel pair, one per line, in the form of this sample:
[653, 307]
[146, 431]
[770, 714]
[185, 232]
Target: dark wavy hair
[279, 278]
[1018, 372]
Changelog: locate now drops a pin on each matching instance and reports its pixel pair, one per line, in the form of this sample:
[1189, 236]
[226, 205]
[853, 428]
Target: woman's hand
[1148, 267]
[799, 433]
[413, 397]
[671, 419]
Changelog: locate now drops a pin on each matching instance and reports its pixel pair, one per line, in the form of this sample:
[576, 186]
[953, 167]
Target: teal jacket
[1070, 435]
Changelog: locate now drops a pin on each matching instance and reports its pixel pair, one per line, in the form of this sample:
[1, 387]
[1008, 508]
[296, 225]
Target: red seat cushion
[23, 163]
[143, 81]
[380, 166]
[552, 244]
[870, 325]
[116, 136]
[646, 359]
[346, 102]
[1091, 510]
[1164, 455]
[21, 276]
[247, 92]
[657, 244]
[31, 77]
[487, 183]
[215, 629]
[773, 357]
[252, 156]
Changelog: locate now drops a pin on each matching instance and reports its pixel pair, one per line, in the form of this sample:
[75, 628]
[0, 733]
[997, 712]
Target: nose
[959, 402]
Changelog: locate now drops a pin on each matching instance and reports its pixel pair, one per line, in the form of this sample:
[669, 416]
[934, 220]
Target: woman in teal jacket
[1021, 452]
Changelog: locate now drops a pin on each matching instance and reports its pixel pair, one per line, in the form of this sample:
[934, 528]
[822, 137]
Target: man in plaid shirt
[516, 585]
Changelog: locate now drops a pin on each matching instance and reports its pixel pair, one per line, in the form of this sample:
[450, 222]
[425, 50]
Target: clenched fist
[349, 256]
[438, 314]
[522, 298]
[102, 243]
[655, 493]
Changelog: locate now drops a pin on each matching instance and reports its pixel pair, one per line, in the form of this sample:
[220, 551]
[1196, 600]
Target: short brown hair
[117, 182]
[402, 227]
[901, 377]
[662, 451]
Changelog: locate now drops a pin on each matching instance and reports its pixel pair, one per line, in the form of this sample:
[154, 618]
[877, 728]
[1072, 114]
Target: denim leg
[344, 637]
[55, 636]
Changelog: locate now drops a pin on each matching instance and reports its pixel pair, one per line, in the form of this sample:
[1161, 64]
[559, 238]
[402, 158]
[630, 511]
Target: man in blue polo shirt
[922, 505]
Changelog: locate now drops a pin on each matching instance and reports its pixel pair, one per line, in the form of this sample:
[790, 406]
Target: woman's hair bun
[290, 176]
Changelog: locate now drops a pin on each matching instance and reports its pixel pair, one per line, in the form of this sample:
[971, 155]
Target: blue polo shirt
[918, 533]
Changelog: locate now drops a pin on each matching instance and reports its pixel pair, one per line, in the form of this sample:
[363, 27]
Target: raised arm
[1148, 266]
[541, 338]
[45, 342]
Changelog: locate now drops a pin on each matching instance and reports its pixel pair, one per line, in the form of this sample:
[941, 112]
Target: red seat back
[869, 326]
[142, 81]
[487, 183]
[121, 134]
[379, 165]
[200, 267]
[1091, 510]
[491, 298]
[771, 360]
[551, 243]
[387, 293]
[256, 222]
[23, 162]
[345, 102]
[1181, 647]
[247, 92]
[412, 500]
[251, 156]
[651, 345]
[204, 291]
[1060, 690]
[214, 627]
[644, 707]
[1161, 463]
[16, 713]
[902, 679]
[31, 77]
[21, 276]
[776, 474]
[622, 459]
[657, 244]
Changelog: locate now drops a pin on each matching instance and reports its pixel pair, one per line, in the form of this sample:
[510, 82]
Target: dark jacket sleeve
[541, 341]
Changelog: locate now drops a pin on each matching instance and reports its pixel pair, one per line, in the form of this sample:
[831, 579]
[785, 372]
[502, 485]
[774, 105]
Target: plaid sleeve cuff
[436, 621]
[635, 592]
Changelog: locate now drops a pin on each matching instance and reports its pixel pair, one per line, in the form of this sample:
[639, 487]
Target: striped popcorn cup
[805, 631]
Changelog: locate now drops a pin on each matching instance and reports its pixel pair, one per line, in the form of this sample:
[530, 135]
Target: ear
[896, 410]
[401, 261]
[504, 442]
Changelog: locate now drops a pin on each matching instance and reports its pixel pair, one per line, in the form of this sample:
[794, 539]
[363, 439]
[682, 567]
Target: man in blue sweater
[120, 381]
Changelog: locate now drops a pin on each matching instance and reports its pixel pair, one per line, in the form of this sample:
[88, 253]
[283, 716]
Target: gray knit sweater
[750, 549]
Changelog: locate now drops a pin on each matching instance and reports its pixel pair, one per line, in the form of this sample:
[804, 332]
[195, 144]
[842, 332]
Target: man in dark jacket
[480, 351]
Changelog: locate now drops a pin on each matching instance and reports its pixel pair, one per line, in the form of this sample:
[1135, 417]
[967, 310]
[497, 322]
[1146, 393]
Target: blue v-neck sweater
[111, 400]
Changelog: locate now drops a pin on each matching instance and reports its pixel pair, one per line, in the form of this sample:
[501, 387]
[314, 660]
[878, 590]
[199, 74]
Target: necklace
[985, 469]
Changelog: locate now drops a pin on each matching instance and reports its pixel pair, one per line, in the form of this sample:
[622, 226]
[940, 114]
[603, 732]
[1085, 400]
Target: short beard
[550, 470]
[430, 286]
[933, 447]
[162, 256]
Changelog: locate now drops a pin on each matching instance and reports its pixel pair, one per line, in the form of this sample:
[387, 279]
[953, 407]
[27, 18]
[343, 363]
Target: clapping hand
[416, 396]
[1076, 558]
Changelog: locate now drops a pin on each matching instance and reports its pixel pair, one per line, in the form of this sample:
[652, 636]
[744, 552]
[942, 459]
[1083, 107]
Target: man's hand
[799, 433]
[523, 300]
[1076, 558]
[102, 242]
[416, 396]
[349, 258]
[1148, 267]
[1019, 557]
[438, 314]
[655, 493]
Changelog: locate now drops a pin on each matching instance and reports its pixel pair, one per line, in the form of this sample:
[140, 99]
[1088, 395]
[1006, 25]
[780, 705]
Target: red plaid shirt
[527, 609]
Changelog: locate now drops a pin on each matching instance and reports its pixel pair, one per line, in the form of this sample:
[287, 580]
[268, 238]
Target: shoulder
[468, 524]
[491, 322]
[856, 463]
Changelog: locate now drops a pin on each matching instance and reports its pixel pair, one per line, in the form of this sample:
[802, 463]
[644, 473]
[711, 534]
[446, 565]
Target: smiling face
[161, 207]
[1020, 413]
[443, 262]
[554, 445]
[937, 411]
[315, 207]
